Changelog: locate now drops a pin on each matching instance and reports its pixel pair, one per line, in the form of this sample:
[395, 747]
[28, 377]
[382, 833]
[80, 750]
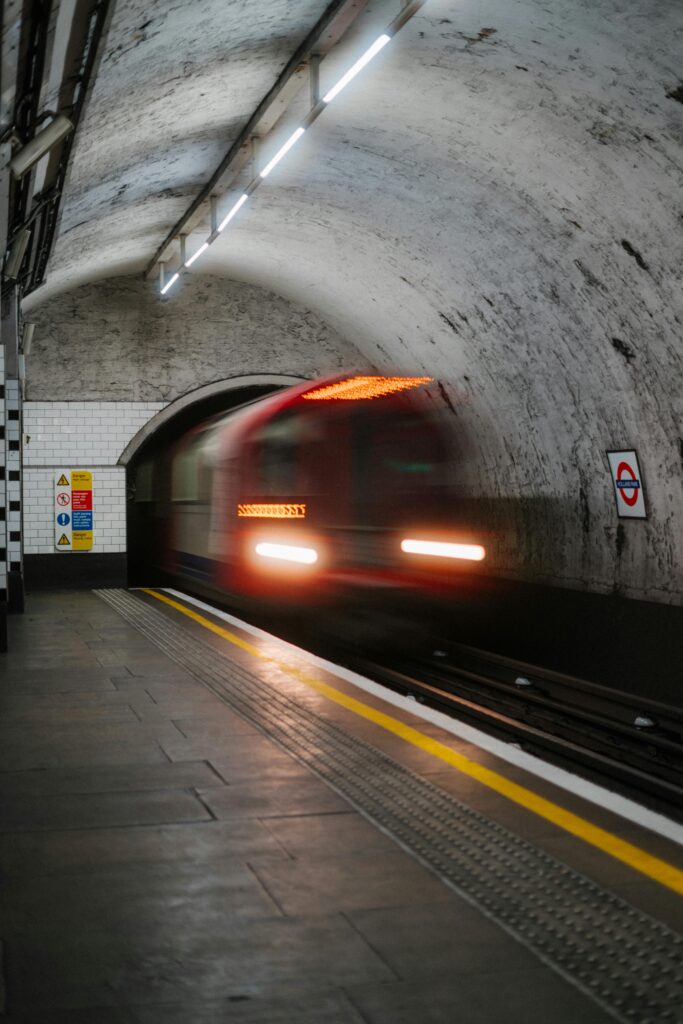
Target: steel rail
[575, 735]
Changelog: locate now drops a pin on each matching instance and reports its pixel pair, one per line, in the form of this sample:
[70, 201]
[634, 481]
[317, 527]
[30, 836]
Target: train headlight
[287, 552]
[443, 549]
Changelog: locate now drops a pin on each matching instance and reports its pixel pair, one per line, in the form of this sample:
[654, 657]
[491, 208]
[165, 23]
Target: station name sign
[629, 493]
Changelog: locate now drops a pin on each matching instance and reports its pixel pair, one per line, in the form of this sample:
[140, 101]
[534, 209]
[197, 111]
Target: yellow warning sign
[82, 540]
[81, 480]
[63, 540]
[63, 481]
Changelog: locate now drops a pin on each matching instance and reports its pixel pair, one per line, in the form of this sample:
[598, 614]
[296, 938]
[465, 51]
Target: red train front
[318, 491]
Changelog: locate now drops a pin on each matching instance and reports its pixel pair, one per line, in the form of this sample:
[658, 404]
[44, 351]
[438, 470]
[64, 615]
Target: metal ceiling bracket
[314, 77]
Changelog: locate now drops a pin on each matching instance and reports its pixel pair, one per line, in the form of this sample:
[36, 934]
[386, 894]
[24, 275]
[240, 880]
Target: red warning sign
[81, 501]
[628, 484]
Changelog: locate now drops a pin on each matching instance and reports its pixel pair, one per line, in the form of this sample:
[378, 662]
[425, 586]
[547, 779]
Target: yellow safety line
[662, 872]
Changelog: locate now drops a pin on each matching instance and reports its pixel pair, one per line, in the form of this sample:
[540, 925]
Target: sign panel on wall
[73, 510]
[628, 484]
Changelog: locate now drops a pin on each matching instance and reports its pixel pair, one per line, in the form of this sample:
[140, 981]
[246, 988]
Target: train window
[401, 468]
[193, 469]
[406, 452]
[277, 443]
[207, 455]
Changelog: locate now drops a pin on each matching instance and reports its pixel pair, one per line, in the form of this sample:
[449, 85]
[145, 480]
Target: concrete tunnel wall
[497, 203]
[109, 357]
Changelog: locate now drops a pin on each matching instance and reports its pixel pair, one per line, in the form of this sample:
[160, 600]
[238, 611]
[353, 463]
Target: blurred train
[337, 490]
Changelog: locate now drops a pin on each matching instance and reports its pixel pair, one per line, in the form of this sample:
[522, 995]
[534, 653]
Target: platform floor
[163, 860]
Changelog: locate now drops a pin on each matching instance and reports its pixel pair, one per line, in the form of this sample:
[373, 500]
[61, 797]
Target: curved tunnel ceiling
[496, 200]
[522, 160]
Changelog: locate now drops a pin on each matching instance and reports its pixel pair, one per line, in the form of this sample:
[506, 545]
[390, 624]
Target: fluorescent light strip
[169, 284]
[294, 137]
[378, 45]
[371, 52]
[471, 552]
[238, 206]
[197, 254]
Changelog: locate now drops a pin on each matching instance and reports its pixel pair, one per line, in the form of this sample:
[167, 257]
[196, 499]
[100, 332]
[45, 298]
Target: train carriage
[318, 492]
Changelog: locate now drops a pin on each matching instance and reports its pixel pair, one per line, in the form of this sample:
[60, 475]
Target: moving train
[327, 491]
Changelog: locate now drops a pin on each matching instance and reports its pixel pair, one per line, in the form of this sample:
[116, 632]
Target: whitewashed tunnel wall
[115, 340]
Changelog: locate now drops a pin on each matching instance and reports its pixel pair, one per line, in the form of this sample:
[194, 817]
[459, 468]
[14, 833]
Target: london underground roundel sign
[628, 484]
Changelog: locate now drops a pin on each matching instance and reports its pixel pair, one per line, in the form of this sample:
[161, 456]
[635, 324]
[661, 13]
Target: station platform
[201, 823]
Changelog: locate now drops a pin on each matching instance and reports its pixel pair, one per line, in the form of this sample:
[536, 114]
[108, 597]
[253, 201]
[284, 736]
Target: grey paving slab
[138, 900]
[135, 697]
[273, 798]
[88, 1015]
[289, 907]
[330, 1007]
[15, 756]
[518, 997]
[261, 762]
[347, 833]
[82, 851]
[108, 779]
[74, 730]
[158, 685]
[144, 665]
[97, 810]
[48, 717]
[210, 747]
[213, 722]
[440, 939]
[375, 878]
[49, 680]
[274, 957]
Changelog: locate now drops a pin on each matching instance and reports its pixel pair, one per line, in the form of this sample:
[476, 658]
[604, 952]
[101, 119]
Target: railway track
[634, 742]
[625, 741]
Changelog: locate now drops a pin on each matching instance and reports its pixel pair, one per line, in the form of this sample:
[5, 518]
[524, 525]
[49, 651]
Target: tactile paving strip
[629, 963]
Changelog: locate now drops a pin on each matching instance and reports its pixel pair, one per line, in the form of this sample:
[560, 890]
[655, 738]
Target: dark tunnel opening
[144, 522]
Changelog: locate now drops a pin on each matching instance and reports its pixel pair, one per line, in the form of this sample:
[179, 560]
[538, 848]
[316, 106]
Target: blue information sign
[82, 521]
[63, 519]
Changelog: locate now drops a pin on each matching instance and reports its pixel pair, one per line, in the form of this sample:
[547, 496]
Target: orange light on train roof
[355, 388]
[294, 510]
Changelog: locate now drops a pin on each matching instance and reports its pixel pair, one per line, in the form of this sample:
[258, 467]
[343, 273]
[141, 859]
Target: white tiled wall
[57, 433]
[79, 435]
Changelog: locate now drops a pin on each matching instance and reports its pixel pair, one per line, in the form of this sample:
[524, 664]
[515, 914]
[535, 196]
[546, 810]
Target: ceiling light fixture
[293, 138]
[169, 284]
[40, 144]
[15, 254]
[378, 45]
[238, 206]
[197, 254]
[27, 337]
[409, 8]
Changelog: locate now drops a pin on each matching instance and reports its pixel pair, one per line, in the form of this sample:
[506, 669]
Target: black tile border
[74, 571]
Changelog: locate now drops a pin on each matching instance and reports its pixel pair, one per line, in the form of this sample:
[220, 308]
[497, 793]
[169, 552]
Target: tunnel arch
[198, 397]
[145, 524]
